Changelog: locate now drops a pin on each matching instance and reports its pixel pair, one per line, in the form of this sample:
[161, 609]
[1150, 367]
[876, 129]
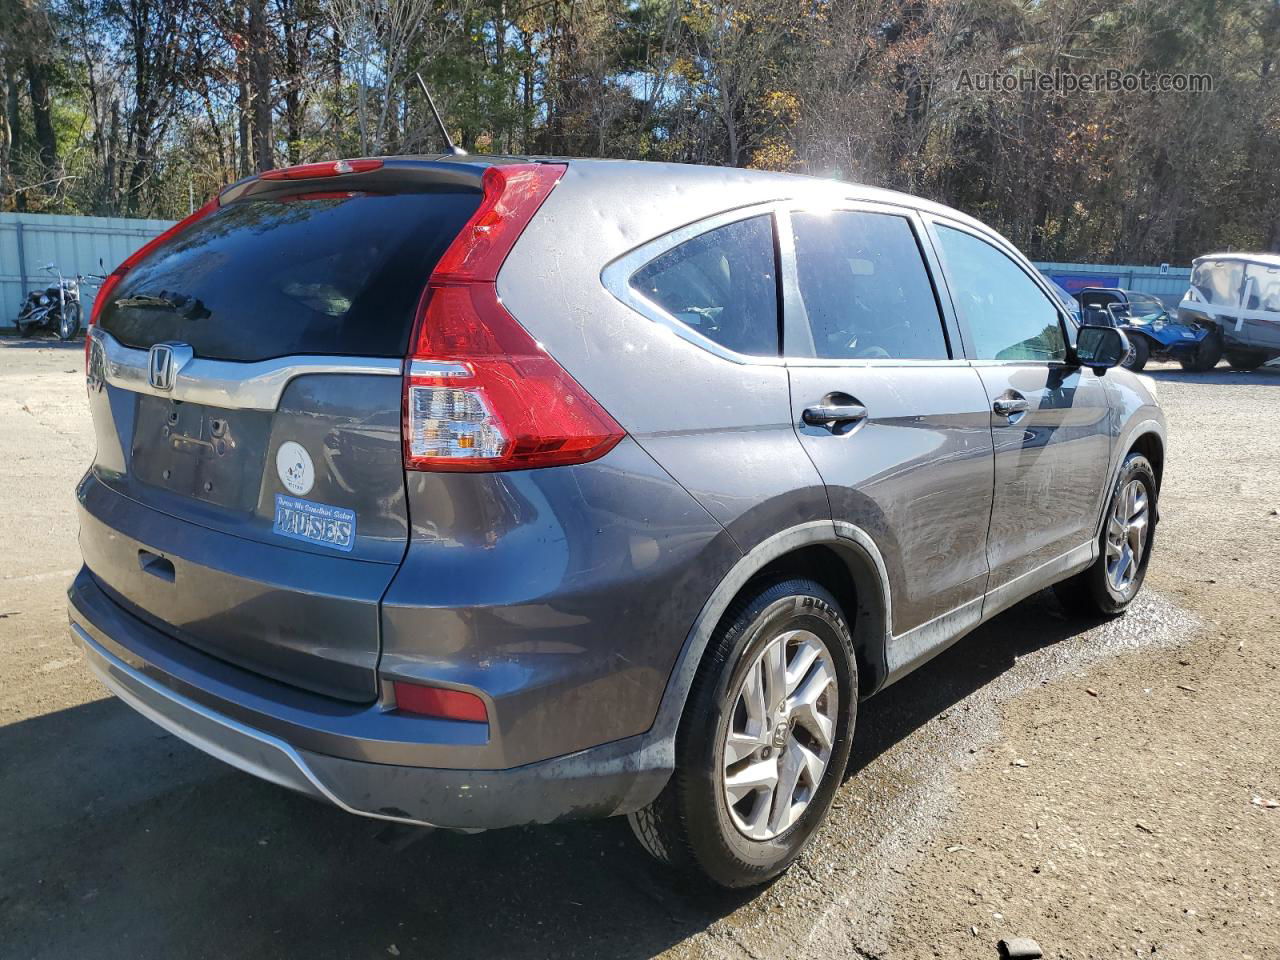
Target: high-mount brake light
[480, 393]
[115, 276]
[329, 168]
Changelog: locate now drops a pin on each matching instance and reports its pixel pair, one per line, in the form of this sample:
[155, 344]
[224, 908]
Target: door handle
[827, 414]
[1010, 406]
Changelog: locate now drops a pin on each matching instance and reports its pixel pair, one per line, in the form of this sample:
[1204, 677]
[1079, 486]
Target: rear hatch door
[248, 492]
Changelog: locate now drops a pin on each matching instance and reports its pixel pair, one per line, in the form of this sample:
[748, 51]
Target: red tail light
[439, 702]
[115, 276]
[480, 393]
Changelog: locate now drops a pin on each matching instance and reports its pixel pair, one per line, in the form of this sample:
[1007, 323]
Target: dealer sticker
[315, 522]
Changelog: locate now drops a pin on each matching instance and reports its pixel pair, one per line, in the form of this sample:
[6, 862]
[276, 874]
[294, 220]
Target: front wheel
[69, 321]
[764, 740]
[1138, 355]
[1110, 584]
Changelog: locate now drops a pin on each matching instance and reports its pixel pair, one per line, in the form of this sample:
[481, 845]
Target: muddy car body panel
[292, 612]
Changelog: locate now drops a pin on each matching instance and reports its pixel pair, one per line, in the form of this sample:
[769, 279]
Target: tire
[1206, 356]
[1245, 359]
[1095, 592]
[69, 322]
[692, 825]
[1139, 353]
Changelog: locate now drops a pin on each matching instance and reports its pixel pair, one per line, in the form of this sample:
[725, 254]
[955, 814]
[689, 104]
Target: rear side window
[318, 273]
[1008, 316]
[865, 287]
[722, 283]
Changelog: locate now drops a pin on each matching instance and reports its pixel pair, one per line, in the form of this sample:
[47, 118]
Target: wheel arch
[843, 559]
[1151, 446]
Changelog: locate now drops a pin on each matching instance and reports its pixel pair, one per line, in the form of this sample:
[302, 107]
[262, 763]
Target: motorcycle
[56, 307]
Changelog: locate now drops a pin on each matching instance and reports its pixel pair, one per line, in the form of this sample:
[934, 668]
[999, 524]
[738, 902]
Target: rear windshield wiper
[147, 303]
[189, 307]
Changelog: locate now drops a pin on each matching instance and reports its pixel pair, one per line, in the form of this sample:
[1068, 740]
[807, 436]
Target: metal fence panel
[1168, 286]
[97, 245]
[76, 244]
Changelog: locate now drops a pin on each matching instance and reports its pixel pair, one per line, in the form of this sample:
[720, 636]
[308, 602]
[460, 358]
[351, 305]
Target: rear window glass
[722, 284]
[319, 273]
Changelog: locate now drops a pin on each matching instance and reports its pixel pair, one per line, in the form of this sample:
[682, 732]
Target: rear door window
[306, 273]
[865, 288]
[722, 284]
[1008, 316]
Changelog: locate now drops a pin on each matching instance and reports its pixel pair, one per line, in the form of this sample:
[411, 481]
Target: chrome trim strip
[166, 708]
[224, 383]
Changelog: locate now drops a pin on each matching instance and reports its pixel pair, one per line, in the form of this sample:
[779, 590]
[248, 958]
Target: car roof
[799, 185]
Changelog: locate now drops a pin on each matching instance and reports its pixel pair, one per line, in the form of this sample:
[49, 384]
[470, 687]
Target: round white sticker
[295, 468]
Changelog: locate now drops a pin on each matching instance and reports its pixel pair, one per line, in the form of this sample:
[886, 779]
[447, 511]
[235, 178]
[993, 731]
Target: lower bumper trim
[607, 780]
[252, 751]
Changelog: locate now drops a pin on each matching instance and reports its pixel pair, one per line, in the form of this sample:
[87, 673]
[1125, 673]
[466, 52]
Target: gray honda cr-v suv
[485, 492]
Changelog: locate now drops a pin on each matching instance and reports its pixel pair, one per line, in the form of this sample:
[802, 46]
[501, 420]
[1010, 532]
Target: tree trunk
[42, 112]
[6, 138]
[260, 85]
[243, 106]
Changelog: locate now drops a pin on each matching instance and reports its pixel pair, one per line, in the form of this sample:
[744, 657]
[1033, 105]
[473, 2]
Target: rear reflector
[480, 393]
[329, 168]
[439, 702]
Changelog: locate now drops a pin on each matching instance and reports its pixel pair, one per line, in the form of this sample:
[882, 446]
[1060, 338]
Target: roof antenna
[454, 149]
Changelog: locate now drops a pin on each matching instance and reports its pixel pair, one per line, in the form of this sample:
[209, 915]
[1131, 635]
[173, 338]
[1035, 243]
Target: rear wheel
[1206, 356]
[764, 740]
[1110, 584]
[1245, 359]
[1139, 353]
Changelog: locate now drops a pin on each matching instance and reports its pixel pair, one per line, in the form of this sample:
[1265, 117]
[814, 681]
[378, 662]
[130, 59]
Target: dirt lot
[1102, 789]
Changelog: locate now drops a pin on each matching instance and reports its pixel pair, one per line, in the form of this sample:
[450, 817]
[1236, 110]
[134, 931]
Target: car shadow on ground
[11, 340]
[122, 841]
[1222, 375]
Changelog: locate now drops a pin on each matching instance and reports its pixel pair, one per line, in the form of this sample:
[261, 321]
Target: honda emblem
[161, 367]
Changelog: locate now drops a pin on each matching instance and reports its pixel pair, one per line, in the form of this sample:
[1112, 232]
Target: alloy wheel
[1127, 532]
[780, 735]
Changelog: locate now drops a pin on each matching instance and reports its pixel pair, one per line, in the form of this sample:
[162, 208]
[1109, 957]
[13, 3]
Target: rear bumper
[248, 732]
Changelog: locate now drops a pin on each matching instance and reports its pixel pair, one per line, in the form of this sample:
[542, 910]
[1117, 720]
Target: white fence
[76, 244]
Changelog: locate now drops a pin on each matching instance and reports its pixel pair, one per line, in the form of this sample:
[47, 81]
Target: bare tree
[380, 39]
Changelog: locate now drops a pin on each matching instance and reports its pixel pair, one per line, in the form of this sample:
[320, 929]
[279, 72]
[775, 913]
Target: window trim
[993, 239]
[616, 277]
[797, 317]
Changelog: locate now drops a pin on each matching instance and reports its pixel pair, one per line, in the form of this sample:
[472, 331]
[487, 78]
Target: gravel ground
[1102, 789]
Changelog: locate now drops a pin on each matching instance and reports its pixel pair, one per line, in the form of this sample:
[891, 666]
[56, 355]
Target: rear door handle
[1010, 406]
[827, 414]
